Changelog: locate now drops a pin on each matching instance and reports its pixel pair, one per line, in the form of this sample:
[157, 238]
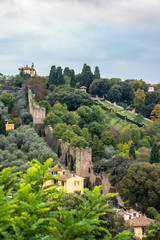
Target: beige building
[28, 70]
[83, 89]
[70, 181]
[9, 126]
[140, 224]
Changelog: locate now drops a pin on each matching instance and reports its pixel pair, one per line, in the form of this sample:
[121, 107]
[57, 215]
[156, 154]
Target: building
[151, 87]
[28, 70]
[83, 89]
[9, 126]
[70, 181]
[129, 214]
[140, 225]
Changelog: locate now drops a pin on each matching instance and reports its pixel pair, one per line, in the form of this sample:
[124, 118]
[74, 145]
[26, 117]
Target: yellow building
[70, 181]
[83, 89]
[28, 70]
[140, 224]
[9, 126]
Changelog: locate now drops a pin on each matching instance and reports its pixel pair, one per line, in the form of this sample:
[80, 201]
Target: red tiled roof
[83, 87]
[65, 177]
[140, 221]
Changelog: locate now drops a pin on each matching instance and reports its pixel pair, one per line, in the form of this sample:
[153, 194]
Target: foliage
[124, 148]
[73, 99]
[46, 105]
[139, 99]
[97, 73]
[97, 147]
[56, 76]
[37, 86]
[86, 76]
[21, 146]
[6, 98]
[131, 132]
[155, 114]
[132, 152]
[109, 152]
[78, 141]
[131, 190]
[2, 125]
[154, 157]
[37, 213]
[115, 93]
[99, 87]
[116, 167]
[153, 231]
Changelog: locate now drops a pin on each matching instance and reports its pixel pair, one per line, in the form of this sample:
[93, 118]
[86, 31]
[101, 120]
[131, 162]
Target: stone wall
[82, 158]
[38, 113]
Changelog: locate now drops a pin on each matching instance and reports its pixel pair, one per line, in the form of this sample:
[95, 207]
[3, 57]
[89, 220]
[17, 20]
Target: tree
[139, 99]
[115, 93]
[155, 114]
[132, 152]
[95, 128]
[38, 87]
[131, 132]
[153, 231]
[131, 190]
[97, 147]
[99, 87]
[79, 141]
[6, 98]
[138, 84]
[113, 81]
[127, 93]
[154, 157]
[46, 105]
[73, 81]
[2, 125]
[97, 73]
[87, 76]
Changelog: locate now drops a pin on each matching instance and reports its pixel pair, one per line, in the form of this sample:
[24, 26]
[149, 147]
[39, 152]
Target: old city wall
[38, 113]
[82, 158]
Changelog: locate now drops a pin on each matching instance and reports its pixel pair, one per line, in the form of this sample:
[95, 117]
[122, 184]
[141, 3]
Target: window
[55, 181]
[143, 231]
[77, 182]
[134, 214]
[55, 173]
[62, 183]
[74, 183]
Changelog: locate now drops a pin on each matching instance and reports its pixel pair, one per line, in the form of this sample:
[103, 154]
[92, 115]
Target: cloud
[120, 34]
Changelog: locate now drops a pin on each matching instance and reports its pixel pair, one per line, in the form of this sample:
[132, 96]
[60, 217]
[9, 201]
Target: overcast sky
[122, 37]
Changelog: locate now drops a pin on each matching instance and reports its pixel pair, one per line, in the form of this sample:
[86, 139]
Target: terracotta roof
[65, 177]
[140, 221]
[57, 169]
[152, 85]
[83, 87]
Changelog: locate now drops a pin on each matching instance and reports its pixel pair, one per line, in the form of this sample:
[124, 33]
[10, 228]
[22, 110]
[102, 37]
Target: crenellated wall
[82, 158]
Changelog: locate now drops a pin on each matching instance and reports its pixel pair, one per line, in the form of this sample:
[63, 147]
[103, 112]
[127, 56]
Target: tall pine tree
[154, 157]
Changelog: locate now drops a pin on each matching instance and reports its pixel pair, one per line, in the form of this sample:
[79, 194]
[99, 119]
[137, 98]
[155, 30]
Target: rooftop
[140, 221]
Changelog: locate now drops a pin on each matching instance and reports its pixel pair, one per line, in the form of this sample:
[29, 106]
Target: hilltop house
[83, 89]
[129, 214]
[140, 224]
[28, 70]
[151, 87]
[70, 181]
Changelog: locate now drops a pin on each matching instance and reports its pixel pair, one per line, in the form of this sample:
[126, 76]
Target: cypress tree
[73, 81]
[2, 125]
[154, 157]
[71, 163]
[97, 73]
[132, 152]
[66, 160]
[59, 151]
[87, 76]
[53, 76]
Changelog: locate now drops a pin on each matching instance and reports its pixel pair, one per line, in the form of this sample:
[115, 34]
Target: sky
[121, 37]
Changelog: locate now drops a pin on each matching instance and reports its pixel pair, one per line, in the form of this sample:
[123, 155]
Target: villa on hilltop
[28, 70]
